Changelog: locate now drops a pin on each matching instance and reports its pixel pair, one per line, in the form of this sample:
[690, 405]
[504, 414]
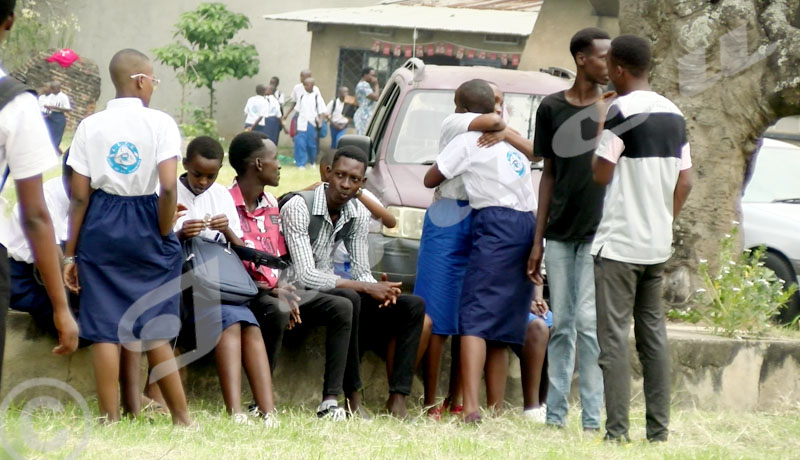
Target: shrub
[742, 296]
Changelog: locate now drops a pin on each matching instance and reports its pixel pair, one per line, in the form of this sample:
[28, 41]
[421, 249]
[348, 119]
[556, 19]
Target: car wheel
[784, 271]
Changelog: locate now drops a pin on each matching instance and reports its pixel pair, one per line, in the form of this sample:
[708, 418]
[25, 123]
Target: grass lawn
[695, 434]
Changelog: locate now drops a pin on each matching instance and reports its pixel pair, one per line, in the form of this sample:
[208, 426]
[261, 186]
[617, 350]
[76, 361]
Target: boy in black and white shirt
[644, 154]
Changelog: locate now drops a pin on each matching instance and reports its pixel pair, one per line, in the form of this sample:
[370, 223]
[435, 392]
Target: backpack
[10, 88]
[315, 222]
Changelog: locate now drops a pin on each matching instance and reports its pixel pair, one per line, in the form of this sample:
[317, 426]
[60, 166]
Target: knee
[537, 332]
[416, 308]
[342, 310]
[353, 297]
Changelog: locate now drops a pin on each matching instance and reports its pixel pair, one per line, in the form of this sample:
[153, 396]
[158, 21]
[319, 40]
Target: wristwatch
[68, 260]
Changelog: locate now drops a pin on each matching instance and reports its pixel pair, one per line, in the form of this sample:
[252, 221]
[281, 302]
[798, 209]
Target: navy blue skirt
[129, 274]
[497, 294]
[442, 262]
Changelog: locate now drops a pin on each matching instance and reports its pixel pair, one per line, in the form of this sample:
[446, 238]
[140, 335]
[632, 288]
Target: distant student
[311, 110]
[121, 245]
[25, 154]
[338, 120]
[28, 294]
[241, 341]
[496, 293]
[273, 121]
[256, 109]
[278, 305]
[58, 105]
[275, 82]
[44, 97]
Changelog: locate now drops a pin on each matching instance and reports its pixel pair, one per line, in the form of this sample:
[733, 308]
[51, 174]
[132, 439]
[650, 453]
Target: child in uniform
[495, 297]
[120, 233]
[240, 341]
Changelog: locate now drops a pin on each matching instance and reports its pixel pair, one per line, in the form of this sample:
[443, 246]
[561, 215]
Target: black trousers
[335, 313]
[374, 326]
[5, 293]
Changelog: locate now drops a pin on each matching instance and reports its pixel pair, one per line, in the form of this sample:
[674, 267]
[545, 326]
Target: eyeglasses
[155, 81]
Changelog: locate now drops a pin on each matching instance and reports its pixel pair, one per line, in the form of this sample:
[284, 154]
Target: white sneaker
[332, 412]
[271, 420]
[241, 419]
[538, 415]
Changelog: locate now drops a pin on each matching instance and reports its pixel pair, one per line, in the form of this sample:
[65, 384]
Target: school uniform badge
[124, 158]
[517, 163]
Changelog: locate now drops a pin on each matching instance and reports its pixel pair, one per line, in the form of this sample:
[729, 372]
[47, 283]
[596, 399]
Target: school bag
[232, 281]
[315, 222]
[10, 88]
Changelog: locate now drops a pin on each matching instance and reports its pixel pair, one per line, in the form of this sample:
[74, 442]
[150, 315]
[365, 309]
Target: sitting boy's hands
[191, 228]
[287, 294]
[385, 291]
[218, 223]
[539, 307]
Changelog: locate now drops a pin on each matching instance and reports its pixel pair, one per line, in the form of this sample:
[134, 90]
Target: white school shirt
[493, 176]
[60, 100]
[281, 98]
[120, 148]
[273, 106]
[44, 100]
[335, 108]
[25, 146]
[452, 126]
[256, 106]
[309, 105]
[55, 197]
[214, 201]
[299, 90]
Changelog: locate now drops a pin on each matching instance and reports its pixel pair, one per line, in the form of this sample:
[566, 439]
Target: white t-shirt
[335, 108]
[25, 146]
[309, 105]
[60, 100]
[452, 126]
[44, 100]
[299, 90]
[340, 254]
[55, 197]
[120, 148]
[256, 106]
[493, 176]
[214, 201]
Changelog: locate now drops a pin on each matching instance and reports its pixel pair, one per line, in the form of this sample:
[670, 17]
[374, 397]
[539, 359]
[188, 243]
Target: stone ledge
[708, 372]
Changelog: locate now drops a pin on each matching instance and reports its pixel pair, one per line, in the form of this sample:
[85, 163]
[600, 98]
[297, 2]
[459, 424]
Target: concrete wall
[283, 47]
[327, 42]
[557, 22]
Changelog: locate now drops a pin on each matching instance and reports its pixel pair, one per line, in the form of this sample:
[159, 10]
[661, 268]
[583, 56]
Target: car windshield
[774, 176]
[420, 120]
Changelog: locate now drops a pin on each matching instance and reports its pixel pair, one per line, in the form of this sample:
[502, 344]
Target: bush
[201, 125]
[743, 296]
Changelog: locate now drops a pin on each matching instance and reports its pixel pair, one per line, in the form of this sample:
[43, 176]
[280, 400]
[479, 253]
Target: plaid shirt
[312, 267]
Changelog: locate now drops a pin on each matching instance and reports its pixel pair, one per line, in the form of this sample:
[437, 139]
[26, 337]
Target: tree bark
[750, 78]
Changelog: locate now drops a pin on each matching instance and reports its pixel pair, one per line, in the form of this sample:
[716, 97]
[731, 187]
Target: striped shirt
[312, 267]
[645, 137]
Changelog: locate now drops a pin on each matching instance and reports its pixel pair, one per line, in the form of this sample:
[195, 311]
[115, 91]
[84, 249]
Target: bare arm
[378, 211]
[38, 229]
[433, 177]
[231, 237]
[522, 144]
[487, 122]
[168, 198]
[376, 92]
[602, 170]
[546, 186]
[682, 189]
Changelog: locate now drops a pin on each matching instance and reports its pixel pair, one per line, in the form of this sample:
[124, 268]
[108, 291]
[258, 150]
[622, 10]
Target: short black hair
[326, 157]
[261, 89]
[206, 147]
[242, 148]
[583, 40]
[7, 8]
[277, 80]
[632, 53]
[476, 96]
[352, 152]
[366, 70]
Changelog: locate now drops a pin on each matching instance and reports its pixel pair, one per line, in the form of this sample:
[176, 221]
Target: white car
[771, 213]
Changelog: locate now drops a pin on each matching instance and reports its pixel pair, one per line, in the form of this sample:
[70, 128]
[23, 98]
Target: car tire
[784, 271]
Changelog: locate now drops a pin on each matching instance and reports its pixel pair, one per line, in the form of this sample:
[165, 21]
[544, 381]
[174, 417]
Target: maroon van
[403, 141]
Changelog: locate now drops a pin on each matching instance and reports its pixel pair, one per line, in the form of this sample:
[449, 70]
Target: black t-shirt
[566, 135]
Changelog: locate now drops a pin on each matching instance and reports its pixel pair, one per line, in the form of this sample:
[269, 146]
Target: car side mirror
[362, 142]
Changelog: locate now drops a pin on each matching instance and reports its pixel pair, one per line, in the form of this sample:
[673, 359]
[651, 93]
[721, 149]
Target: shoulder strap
[10, 88]
[315, 222]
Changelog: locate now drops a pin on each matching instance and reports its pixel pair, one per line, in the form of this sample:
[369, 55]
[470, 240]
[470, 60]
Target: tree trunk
[731, 67]
[211, 101]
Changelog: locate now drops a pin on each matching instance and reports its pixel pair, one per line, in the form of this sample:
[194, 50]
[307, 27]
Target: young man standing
[570, 206]
[338, 120]
[26, 153]
[644, 154]
[377, 306]
[311, 109]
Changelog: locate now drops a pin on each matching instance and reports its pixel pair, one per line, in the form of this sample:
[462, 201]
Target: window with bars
[352, 61]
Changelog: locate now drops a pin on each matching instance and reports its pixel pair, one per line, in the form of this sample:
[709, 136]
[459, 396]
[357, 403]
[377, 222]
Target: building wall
[557, 22]
[326, 43]
[283, 47]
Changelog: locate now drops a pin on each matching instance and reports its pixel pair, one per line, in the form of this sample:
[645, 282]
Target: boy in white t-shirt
[496, 292]
[255, 109]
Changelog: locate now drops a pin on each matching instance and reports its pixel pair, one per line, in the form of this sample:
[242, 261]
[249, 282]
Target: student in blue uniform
[122, 255]
[496, 293]
[240, 341]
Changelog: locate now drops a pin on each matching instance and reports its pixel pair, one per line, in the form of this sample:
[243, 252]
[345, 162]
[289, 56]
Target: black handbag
[231, 279]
